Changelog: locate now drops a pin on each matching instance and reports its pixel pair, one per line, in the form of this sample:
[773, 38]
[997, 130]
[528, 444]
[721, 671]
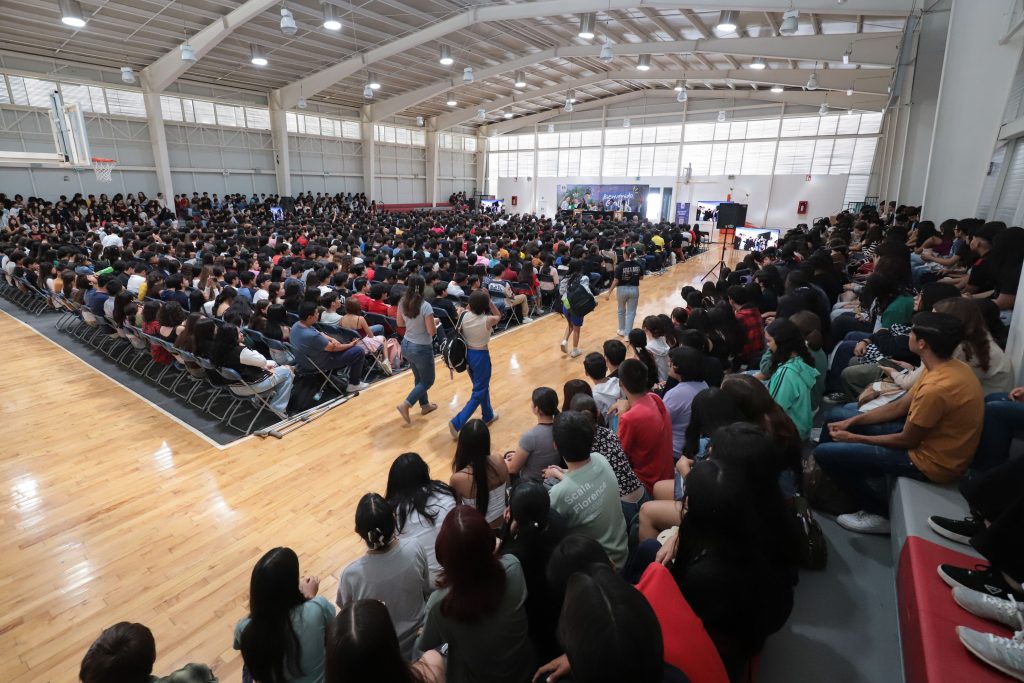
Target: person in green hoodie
[792, 373]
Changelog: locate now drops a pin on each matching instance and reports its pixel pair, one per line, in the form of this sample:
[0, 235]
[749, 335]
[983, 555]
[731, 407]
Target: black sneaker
[959, 530]
[983, 578]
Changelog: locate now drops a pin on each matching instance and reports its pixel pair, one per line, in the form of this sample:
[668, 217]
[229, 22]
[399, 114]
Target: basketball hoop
[103, 167]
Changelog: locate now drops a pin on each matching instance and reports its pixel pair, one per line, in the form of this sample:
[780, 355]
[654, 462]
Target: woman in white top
[393, 571]
[476, 325]
[480, 477]
[656, 345]
[420, 504]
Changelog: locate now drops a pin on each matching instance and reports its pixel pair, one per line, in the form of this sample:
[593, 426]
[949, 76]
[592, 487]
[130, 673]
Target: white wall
[769, 204]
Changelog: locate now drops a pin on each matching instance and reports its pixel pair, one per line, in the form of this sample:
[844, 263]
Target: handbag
[813, 547]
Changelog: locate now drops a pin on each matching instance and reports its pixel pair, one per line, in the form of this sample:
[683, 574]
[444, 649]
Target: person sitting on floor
[126, 652]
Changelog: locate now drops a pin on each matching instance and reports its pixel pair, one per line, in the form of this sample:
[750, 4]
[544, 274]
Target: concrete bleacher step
[928, 616]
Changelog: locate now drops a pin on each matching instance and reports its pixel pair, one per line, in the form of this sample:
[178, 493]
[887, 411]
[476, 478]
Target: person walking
[628, 274]
[416, 315]
[573, 319]
[476, 325]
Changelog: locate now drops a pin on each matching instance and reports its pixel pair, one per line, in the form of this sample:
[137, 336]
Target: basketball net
[103, 168]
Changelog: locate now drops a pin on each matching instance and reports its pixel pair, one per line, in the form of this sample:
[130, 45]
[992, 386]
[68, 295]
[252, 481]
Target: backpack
[580, 301]
[454, 350]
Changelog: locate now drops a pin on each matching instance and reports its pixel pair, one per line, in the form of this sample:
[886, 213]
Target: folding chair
[527, 291]
[246, 393]
[99, 337]
[36, 300]
[121, 344]
[194, 367]
[214, 377]
[169, 348]
[305, 367]
[140, 347]
[164, 368]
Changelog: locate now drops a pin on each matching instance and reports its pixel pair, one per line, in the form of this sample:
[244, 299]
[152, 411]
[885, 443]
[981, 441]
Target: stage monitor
[756, 239]
[731, 214]
[277, 213]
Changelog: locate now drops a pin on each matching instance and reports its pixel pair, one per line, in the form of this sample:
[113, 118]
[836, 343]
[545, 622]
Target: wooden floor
[113, 511]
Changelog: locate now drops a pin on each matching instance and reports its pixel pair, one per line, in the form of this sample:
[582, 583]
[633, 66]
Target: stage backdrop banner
[682, 213]
[632, 198]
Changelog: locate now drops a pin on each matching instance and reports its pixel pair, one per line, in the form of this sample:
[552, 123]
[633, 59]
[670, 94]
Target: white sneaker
[564, 345]
[352, 388]
[1005, 654]
[527, 319]
[620, 333]
[864, 523]
[574, 353]
[1007, 612]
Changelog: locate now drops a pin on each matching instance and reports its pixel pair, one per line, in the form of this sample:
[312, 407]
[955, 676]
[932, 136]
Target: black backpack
[581, 302]
[453, 350]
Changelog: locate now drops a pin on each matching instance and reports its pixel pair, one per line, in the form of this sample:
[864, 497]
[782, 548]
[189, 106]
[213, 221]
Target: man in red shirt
[645, 428]
[741, 298]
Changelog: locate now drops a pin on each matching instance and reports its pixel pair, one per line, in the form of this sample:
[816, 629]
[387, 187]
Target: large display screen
[629, 198]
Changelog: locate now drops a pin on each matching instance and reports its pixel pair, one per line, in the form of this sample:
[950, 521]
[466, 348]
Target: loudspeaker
[731, 214]
[287, 203]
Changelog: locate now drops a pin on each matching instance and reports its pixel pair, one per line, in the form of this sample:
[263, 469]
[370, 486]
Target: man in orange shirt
[930, 433]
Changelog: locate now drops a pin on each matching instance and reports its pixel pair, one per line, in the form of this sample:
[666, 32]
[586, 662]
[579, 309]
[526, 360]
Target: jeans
[479, 361]
[421, 358]
[631, 510]
[843, 325]
[857, 467]
[627, 298]
[1003, 417]
[376, 329]
[281, 381]
[354, 359]
[841, 358]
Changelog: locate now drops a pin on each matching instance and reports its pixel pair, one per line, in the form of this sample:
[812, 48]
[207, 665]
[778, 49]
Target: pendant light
[71, 13]
[288, 25]
[446, 56]
[330, 22]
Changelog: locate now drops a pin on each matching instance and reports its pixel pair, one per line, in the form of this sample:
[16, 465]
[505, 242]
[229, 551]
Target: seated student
[531, 533]
[645, 428]
[687, 368]
[329, 354]
[229, 351]
[536, 449]
[587, 492]
[742, 298]
[655, 329]
[502, 294]
[606, 389]
[638, 342]
[362, 646]
[479, 476]
[697, 340]
[931, 432]
[420, 505]
[792, 373]
[614, 353]
[393, 571]
[283, 637]
[125, 652]
[479, 610]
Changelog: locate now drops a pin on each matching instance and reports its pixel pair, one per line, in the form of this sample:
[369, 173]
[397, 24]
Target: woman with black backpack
[576, 300]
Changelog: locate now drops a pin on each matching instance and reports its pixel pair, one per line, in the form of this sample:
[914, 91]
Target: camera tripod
[716, 269]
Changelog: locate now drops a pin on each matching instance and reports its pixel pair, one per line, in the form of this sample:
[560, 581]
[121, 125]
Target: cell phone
[889, 363]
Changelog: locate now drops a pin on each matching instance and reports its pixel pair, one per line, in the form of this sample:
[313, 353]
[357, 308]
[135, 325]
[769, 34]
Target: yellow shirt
[948, 403]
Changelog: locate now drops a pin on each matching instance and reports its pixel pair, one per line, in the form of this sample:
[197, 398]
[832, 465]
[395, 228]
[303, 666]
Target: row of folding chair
[22, 293]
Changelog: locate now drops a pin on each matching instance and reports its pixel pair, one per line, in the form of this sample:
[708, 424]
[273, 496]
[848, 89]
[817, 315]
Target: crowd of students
[643, 528]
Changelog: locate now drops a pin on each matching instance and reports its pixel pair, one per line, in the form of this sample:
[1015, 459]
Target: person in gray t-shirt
[536, 451]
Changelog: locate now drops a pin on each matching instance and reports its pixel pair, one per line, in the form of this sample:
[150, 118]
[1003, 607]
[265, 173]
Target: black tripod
[716, 269]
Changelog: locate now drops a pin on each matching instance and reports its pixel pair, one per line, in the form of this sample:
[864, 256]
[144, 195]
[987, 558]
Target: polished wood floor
[113, 511]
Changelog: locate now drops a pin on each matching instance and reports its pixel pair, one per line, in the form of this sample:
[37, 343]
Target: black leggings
[997, 496]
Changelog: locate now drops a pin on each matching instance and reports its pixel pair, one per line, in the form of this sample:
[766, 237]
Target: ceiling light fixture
[467, 75]
[721, 115]
[71, 13]
[568, 106]
[508, 115]
[481, 113]
[288, 25]
[758, 63]
[812, 81]
[127, 75]
[607, 54]
[256, 55]
[446, 56]
[846, 56]
[644, 63]
[188, 54]
[419, 121]
[520, 79]
[330, 22]
[301, 104]
[728, 20]
[368, 92]
[681, 96]
[571, 96]
[551, 128]
[823, 109]
[849, 92]
[625, 123]
[450, 100]
[373, 81]
[587, 22]
[678, 87]
[777, 88]
[790, 22]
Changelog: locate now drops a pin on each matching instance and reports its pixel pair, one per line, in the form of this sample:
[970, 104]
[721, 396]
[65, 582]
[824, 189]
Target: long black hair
[224, 344]
[375, 521]
[789, 341]
[711, 408]
[410, 489]
[474, 450]
[270, 647]
[362, 646]
[412, 299]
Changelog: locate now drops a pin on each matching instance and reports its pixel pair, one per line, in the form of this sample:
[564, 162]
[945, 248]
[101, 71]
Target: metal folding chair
[246, 393]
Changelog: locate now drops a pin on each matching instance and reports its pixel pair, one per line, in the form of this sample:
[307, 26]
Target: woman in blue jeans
[416, 315]
[476, 325]
[628, 274]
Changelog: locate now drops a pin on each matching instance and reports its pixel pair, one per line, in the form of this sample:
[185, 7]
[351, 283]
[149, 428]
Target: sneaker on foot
[493, 419]
[527, 319]
[864, 523]
[574, 353]
[620, 333]
[564, 345]
[453, 431]
[1005, 654]
[959, 530]
[836, 397]
[352, 388]
[983, 578]
[1006, 612]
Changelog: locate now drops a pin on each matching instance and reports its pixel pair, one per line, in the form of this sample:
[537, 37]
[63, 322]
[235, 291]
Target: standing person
[477, 324]
[393, 571]
[628, 274]
[573, 319]
[416, 315]
[283, 637]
